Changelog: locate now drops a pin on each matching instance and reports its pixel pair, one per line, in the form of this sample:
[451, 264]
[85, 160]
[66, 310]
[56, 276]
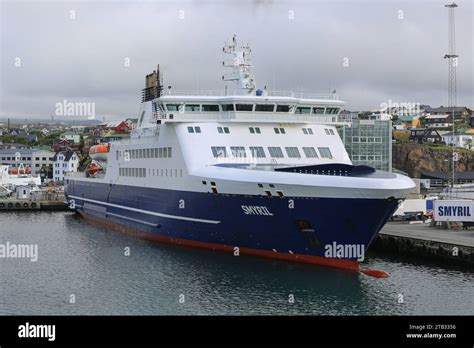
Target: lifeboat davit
[99, 152]
[93, 168]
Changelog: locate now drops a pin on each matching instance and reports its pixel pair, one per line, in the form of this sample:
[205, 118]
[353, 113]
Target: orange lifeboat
[99, 152]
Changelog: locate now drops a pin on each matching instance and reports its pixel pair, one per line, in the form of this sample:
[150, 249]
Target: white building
[40, 159]
[461, 138]
[64, 161]
[71, 137]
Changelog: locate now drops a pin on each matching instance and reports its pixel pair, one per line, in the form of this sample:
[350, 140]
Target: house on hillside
[64, 162]
[439, 121]
[460, 112]
[424, 136]
[462, 138]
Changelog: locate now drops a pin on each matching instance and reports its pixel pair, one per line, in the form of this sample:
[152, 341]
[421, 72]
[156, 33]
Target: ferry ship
[247, 171]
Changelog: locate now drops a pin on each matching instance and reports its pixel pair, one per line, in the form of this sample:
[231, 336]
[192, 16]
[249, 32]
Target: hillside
[414, 158]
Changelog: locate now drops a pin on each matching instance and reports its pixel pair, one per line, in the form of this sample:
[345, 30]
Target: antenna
[452, 58]
[240, 64]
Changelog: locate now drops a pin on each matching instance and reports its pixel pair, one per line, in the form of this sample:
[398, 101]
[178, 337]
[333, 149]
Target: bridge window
[332, 111]
[331, 131]
[219, 151]
[228, 107]
[325, 152]
[275, 152]
[307, 131]
[257, 151]
[192, 108]
[293, 152]
[190, 129]
[318, 111]
[210, 108]
[265, 107]
[327, 131]
[303, 110]
[283, 108]
[238, 151]
[244, 107]
[172, 107]
[310, 152]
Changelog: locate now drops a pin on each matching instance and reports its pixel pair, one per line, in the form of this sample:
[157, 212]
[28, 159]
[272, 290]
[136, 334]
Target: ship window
[252, 130]
[197, 129]
[265, 107]
[244, 107]
[148, 153]
[305, 131]
[219, 151]
[279, 130]
[303, 110]
[228, 107]
[310, 152]
[172, 107]
[283, 108]
[156, 152]
[293, 152]
[268, 193]
[190, 130]
[192, 108]
[165, 152]
[160, 152]
[331, 131]
[226, 130]
[310, 131]
[210, 108]
[318, 111]
[327, 131]
[325, 152]
[220, 130]
[257, 151]
[275, 152]
[169, 152]
[257, 130]
[238, 151]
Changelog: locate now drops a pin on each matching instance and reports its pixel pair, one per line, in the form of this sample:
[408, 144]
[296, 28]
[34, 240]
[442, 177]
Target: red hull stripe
[317, 260]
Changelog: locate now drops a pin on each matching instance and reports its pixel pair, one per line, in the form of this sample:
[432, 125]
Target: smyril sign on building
[453, 210]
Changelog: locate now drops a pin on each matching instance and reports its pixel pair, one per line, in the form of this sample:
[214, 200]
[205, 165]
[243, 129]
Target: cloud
[296, 46]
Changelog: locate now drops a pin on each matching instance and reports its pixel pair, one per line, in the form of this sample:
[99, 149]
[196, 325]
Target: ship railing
[238, 92]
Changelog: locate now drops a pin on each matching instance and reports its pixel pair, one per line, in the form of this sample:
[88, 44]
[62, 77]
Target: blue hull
[220, 219]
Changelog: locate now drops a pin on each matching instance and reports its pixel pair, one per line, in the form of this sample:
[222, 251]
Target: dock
[423, 240]
[56, 204]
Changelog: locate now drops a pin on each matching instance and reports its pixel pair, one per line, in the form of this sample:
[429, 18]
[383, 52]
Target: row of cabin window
[135, 172]
[142, 172]
[274, 151]
[256, 130]
[157, 152]
[250, 107]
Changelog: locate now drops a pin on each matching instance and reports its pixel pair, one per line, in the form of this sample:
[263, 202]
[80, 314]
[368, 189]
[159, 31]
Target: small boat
[99, 152]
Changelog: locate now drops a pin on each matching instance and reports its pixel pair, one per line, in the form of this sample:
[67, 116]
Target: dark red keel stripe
[316, 260]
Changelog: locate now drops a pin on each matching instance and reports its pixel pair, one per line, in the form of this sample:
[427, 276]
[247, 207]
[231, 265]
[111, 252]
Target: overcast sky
[394, 50]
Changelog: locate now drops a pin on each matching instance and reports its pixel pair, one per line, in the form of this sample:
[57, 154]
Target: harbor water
[87, 270]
